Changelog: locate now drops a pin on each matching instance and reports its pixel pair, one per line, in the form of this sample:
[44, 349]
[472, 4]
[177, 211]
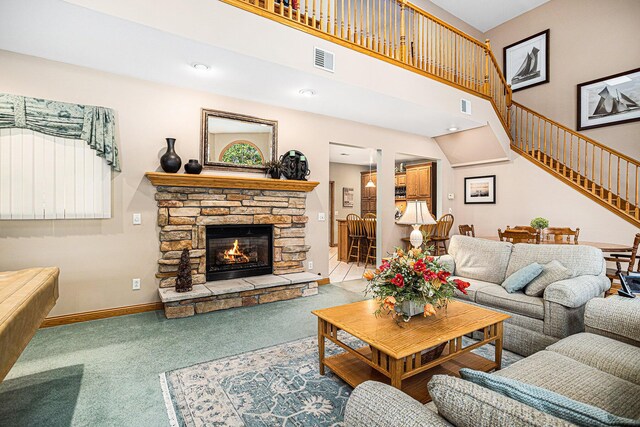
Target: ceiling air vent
[465, 106]
[323, 59]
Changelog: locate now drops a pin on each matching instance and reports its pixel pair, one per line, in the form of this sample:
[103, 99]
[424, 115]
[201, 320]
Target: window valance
[94, 125]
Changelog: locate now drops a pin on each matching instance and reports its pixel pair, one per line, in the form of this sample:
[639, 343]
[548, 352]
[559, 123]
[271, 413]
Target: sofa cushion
[551, 272]
[475, 285]
[580, 259]
[521, 278]
[517, 302]
[546, 401]
[466, 404]
[615, 317]
[564, 375]
[605, 354]
[480, 259]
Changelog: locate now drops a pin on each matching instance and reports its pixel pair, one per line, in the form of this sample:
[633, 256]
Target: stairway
[400, 33]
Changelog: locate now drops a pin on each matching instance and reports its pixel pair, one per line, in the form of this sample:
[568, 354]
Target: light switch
[137, 219]
[321, 216]
[450, 196]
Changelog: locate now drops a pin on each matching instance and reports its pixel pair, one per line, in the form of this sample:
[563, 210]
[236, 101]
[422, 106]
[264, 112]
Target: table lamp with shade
[416, 215]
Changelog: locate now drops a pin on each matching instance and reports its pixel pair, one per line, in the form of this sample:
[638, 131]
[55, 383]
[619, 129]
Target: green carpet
[105, 372]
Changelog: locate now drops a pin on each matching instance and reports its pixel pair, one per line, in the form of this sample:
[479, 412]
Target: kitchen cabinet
[368, 198]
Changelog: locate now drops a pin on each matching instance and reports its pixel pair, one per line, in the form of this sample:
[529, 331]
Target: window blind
[48, 177]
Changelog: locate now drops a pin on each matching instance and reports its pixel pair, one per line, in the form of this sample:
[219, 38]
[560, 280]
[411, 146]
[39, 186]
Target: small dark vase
[193, 167]
[170, 161]
[275, 173]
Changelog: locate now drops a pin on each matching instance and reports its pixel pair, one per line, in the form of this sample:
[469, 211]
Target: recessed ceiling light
[200, 67]
[452, 129]
[307, 92]
[344, 154]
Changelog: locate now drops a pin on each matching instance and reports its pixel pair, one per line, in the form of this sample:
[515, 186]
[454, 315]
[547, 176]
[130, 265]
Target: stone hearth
[188, 204]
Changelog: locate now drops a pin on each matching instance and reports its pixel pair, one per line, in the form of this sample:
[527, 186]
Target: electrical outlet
[137, 219]
[451, 196]
[135, 284]
[321, 216]
[450, 210]
[310, 263]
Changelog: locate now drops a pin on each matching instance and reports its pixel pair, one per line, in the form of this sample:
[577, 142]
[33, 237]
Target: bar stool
[355, 228]
[370, 233]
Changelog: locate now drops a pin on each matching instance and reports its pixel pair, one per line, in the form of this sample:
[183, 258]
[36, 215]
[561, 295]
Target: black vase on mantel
[170, 161]
[193, 167]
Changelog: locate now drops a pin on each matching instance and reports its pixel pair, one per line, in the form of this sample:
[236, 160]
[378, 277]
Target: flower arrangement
[414, 277]
[539, 223]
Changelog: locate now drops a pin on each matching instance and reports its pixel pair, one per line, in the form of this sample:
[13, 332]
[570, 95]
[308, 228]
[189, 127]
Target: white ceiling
[487, 14]
[347, 154]
[60, 31]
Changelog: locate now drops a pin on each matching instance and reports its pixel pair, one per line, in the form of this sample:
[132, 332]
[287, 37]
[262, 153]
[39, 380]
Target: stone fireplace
[246, 240]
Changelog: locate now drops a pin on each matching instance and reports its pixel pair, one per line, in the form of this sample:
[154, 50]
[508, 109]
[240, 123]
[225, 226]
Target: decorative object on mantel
[193, 167]
[412, 282]
[539, 223]
[295, 165]
[170, 161]
[184, 282]
[94, 125]
[274, 168]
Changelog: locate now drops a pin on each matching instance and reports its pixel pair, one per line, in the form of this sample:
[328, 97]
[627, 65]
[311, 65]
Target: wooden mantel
[227, 181]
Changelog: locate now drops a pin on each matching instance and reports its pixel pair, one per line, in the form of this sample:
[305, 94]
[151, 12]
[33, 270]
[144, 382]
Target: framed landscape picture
[526, 63]
[609, 100]
[480, 190]
[347, 197]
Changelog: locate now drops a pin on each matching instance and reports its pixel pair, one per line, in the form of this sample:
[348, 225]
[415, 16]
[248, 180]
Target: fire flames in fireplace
[235, 255]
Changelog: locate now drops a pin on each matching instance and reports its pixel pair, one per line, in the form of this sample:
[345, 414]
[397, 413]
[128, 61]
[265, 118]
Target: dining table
[603, 246]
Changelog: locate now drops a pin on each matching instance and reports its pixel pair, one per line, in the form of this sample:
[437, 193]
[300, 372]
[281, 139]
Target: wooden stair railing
[602, 173]
[401, 33]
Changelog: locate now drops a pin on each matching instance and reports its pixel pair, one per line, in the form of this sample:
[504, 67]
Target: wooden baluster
[348, 20]
[403, 37]
[558, 148]
[593, 169]
[368, 28]
[618, 183]
[578, 156]
[379, 21]
[626, 186]
[486, 66]
[637, 194]
[270, 5]
[386, 37]
[321, 23]
[610, 187]
[571, 155]
[600, 183]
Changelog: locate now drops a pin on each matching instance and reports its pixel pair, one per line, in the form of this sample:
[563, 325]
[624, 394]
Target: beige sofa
[598, 367]
[536, 322]
[26, 297]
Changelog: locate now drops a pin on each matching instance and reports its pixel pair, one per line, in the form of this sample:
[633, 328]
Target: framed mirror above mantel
[237, 142]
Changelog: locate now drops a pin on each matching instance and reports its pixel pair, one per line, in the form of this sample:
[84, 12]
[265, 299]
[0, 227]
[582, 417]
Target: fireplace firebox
[239, 251]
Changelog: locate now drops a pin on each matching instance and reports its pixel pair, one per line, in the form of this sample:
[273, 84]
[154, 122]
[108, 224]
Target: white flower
[317, 405]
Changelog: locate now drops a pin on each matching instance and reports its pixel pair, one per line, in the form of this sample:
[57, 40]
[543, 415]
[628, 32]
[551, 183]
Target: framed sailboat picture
[609, 100]
[526, 63]
[480, 190]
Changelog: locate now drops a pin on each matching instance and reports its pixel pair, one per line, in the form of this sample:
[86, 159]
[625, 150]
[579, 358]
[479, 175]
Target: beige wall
[589, 39]
[345, 175]
[98, 258]
[525, 191]
[479, 145]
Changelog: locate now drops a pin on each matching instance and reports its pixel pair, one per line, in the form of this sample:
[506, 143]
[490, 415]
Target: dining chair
[370, 233]
[355, 229]
[467, 230]
[441, 233]
[629, 259]
[560, 235]
[527, 228]
[518, 236]
[369, 215]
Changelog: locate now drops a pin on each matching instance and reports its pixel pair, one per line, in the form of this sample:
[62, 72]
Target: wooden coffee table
[394, 354]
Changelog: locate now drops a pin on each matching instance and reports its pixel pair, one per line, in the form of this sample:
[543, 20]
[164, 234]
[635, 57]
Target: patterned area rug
[274, 386]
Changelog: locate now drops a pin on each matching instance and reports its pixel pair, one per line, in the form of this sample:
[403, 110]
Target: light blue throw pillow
[521, 278]
[547, 401]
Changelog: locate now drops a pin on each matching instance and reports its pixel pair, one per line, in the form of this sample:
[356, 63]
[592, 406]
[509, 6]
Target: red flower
[398, 280]
[419, 267]
[462, 285]
[384, 266]
[443, 276]
[430, 259]
[429, 275]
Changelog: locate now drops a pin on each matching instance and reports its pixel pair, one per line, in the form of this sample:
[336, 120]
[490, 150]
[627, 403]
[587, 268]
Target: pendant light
[370, 184]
